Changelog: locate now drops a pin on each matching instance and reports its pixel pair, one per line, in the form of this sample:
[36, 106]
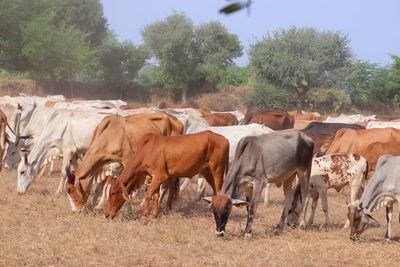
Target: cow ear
[207, 199]
[370, 217]
[239, 203]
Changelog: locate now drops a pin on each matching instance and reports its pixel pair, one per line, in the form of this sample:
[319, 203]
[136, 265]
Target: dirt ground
[39, 229]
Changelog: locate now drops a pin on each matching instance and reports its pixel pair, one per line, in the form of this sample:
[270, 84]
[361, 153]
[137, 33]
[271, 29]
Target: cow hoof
[248, 235]
[277, 231]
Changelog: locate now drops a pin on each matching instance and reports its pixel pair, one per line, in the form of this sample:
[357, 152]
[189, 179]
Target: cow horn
[71, 176]
[125, 193]
[372, 218]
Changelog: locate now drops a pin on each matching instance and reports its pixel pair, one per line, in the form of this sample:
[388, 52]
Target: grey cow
[274, 158]
[383, 189]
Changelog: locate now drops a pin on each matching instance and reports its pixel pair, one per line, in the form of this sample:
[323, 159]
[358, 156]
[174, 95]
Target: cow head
[325, 146]
[26, 173]
[116, 196]
[221, 207]
[358, 220]
[75, 196]
[296, 208]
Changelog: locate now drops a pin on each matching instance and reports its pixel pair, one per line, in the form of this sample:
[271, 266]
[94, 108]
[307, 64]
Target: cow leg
[153, 188]
[173, 193]
[314, 196]
[208, 175]
[256, 191]
[304, 180]
[266, 189]
[201, 188]
[288, 194]
[184, 185]
[324, 202]
[389, 213]
[104, 194]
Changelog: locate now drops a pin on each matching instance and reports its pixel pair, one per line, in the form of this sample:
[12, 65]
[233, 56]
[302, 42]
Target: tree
[186, 55]
[55, 53]
[298, 59]
[121, 62]
[394, 82]
[84, 16]
[87, 16]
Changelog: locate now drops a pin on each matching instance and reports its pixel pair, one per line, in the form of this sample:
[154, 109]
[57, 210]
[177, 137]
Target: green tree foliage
[121, 62]
[237, 76]
[55, 53]
[267, 96]
[186, 55]
[394, 82]
[87, 16]
[298, 59]
[16, 15]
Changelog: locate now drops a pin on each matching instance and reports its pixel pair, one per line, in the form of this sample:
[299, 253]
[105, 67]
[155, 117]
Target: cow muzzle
[220, 233]
[354, 237]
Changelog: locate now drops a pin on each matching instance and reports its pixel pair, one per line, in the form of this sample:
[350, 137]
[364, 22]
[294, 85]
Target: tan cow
[115, 140]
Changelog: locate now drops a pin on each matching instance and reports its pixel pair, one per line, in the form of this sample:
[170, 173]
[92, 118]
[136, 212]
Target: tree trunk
[301, 97]
[184, 95]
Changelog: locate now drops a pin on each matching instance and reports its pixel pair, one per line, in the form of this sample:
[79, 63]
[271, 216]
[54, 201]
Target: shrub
[328, 100]
[267, 96]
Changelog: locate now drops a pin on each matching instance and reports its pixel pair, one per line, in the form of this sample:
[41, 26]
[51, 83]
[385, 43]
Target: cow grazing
[221, 119]
[115, 140]
[274, 158]
[383, 189]
[332, 171]
[67, 133]
[320, 132]
[163, 158]
[4, 136]
[275, 119]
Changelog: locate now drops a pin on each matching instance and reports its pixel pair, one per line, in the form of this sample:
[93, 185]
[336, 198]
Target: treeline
[68, 41]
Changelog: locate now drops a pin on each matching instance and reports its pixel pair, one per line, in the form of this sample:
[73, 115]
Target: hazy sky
[372, 25]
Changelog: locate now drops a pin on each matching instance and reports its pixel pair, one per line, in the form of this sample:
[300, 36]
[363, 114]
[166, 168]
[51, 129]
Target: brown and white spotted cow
[332, 171]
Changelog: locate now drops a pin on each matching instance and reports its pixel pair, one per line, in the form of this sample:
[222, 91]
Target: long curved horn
[125, 193]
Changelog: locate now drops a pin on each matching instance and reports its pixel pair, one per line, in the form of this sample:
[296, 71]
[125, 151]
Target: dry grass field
[39, 229]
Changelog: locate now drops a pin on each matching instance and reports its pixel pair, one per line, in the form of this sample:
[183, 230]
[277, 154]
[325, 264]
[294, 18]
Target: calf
[383, 189]
[332, 171]
[274, 158]
[163, 158]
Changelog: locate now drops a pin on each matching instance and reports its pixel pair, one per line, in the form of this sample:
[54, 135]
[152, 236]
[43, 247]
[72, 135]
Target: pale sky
[373, 26]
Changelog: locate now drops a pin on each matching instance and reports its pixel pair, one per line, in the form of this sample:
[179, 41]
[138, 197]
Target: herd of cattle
[110, 150]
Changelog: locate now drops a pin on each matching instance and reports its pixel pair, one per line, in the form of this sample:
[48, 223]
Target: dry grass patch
[38, 229]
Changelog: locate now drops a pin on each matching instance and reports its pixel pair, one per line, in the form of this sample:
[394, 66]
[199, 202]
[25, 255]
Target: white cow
[33, 129]
[383, 124]
[68, 133]
[350, 118]
[233, 134]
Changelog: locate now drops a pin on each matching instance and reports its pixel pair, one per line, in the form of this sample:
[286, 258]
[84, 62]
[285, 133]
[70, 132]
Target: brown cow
[377, 149]
[357, 141]
[164, 158]
[115, 140]
[276, 119]
[221, 119]
[322, 132]
[10, 94]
